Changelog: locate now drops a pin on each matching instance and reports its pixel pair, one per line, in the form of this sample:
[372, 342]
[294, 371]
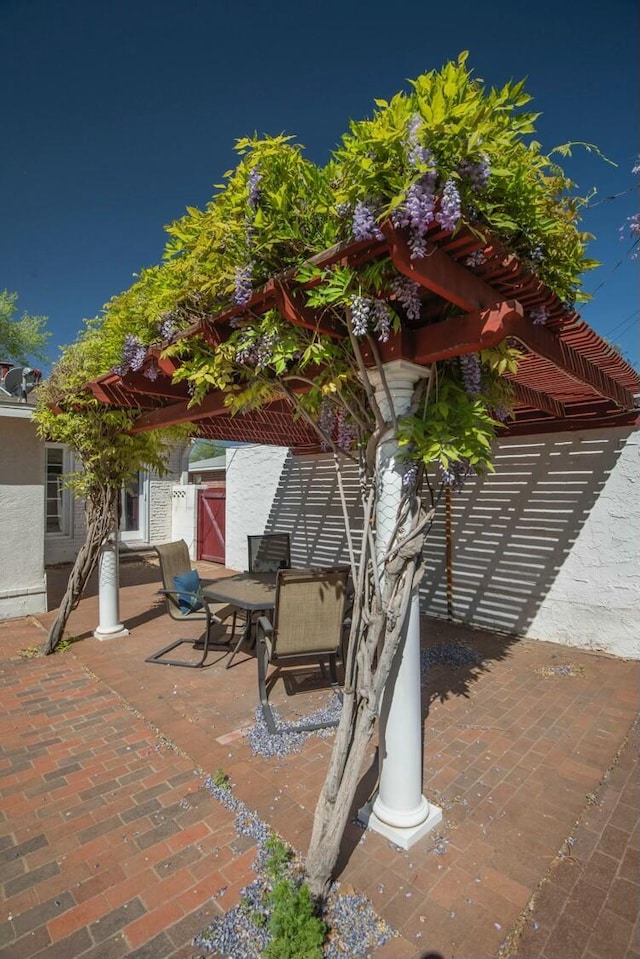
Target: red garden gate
[211, 527]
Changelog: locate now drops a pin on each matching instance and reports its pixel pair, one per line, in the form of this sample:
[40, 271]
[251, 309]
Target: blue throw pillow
[190, 582]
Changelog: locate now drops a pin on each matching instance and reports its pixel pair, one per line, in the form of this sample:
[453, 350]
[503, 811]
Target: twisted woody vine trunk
[100, 512]
[385, 574]
[380, 613]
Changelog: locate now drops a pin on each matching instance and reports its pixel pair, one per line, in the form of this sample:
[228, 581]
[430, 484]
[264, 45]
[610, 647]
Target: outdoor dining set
[289, 616]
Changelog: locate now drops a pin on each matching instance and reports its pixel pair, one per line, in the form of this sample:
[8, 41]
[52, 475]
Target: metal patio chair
[268, 552]
[187, 604]
[307, 625]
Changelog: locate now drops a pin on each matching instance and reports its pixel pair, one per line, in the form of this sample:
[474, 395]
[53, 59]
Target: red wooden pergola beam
[551, 347]
[476, 331]
[162, 387]
[176, 413]
[598, 420]
[291, 306]
[439, 273]
[479, 330]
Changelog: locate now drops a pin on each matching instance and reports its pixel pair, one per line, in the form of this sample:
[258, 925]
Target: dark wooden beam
[544, 343]
[162, 387]
[479, 330]
[292, 307]
[436, 271]
[177, 413]
[465, 334]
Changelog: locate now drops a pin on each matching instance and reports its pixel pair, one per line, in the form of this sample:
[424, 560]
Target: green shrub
[297, 933]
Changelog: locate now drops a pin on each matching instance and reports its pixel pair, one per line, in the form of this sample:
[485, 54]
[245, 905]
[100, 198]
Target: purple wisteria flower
[408, 295]
[471, 372]
[363, 223]
[134, 353]
[346, 431]
[448, 215]
[417, 212]
[253, 182]
[456, 474]
[477, 171]
[476, 258]
[636, 169]
[501, 413]
[256, 352]
[417, 154]
[369, 314]
[167, 325]
[360, 314]
[381, 316]
[537, 254]
[243, 288]
[410, 476]
[151, 372]
[539, 315]
[631, 226]
[326, 420]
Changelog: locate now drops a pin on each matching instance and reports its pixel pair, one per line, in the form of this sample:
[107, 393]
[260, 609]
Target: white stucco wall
[253, 474]
[595, 599]
[547, 547]
[184, 516]
[22, 576]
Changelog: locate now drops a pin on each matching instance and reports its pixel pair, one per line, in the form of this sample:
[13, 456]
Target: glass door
[133, 511]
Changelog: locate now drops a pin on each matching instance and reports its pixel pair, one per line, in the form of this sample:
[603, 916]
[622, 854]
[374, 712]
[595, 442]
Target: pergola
[568, 378]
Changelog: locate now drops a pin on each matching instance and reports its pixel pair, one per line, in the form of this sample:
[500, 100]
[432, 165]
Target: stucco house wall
[547, 547]
[22, 576]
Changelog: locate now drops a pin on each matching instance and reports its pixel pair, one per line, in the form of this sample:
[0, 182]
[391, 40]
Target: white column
[110, 626]
[400, 811]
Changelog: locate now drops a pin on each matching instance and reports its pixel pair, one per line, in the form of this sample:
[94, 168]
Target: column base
[402, 836]
[113, 632]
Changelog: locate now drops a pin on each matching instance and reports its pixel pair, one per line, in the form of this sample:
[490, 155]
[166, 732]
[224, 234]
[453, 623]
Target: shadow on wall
[307, 506]
[512, 530]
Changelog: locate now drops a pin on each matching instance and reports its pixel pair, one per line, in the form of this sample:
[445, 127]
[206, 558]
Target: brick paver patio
[111, 846]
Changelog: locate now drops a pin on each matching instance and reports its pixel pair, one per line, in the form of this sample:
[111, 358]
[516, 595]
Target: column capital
[401, 377]
[400, 373]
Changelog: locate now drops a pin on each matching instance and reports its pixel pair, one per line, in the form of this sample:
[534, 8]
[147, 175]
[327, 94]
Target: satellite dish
[21, 380]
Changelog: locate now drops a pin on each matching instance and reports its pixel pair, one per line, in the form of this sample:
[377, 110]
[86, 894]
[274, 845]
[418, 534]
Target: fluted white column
[400, 811]
[110, 626]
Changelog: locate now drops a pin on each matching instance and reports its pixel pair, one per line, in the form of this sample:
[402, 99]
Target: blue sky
[117, 115]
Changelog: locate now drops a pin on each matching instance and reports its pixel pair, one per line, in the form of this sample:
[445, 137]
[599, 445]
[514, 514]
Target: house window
[58, 499]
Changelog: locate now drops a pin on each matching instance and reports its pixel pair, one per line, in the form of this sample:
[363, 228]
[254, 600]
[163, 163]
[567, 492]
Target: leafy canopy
[449, 151]
[21, 337]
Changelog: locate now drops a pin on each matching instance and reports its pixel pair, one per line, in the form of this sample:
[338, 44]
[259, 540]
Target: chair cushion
[190, 582]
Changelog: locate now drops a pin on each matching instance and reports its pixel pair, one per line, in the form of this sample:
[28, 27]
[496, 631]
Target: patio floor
[110, 845]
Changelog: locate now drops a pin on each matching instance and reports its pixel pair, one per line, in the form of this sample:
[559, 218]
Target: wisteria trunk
[377, 632]
[100, 515]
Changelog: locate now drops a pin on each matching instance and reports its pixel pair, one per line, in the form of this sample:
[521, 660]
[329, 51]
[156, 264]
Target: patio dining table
[251, 592]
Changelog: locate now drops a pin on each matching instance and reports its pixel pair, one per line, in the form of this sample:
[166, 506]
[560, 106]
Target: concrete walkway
[110, 844]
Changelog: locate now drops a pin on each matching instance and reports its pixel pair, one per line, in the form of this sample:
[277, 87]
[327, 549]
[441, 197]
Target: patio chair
[307, 625]
[266, 553]
[269, 552]
[184, 602]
